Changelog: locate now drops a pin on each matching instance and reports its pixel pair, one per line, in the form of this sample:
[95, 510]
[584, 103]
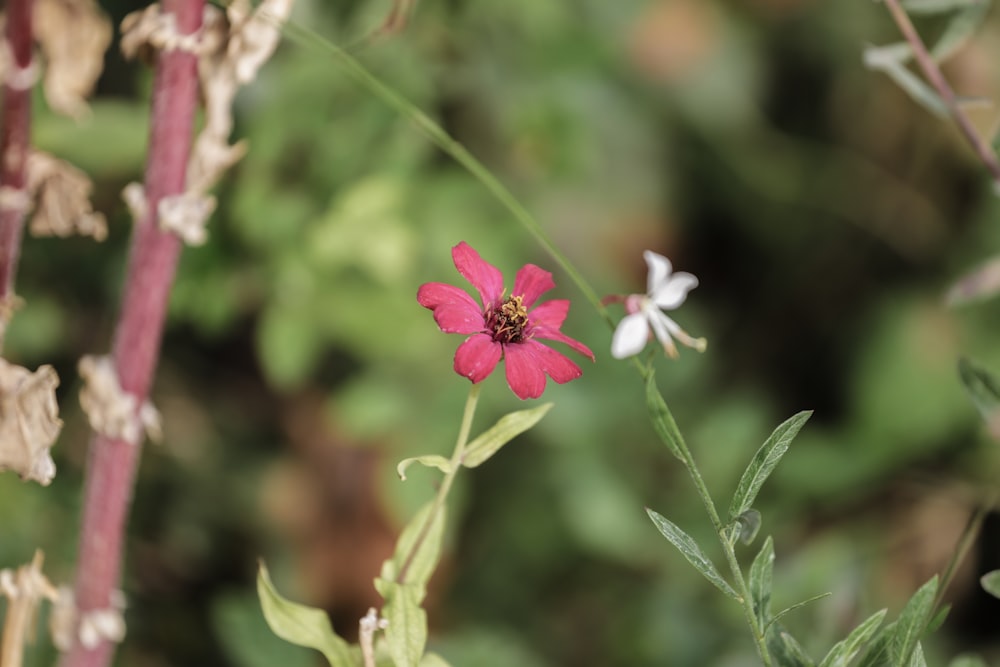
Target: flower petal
[672, 293]
[556, 335]
[550, 314]
[659, 270]
[531, 282]
[454, 310]
[631, 335]
[477, 357]
[485, 277]
[661, 327]
[556, 365]
[525, 376]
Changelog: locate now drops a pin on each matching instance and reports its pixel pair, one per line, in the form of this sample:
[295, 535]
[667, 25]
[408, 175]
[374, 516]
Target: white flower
[664, 291]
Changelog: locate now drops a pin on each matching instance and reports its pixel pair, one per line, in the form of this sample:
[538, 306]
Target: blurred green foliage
[825, 214]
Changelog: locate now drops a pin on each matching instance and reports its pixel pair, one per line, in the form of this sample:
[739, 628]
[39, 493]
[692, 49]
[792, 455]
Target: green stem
[446, 143]
[720, 529]
[449, 478]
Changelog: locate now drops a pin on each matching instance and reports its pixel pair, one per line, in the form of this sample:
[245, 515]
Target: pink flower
[503, 327]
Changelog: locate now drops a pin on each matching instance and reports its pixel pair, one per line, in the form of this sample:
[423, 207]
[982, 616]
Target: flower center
[507, 320]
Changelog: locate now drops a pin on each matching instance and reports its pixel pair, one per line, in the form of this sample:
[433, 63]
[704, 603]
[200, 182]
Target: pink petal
[556, 365]
[477, 357]
[556, 335]
[550, 314]
[525, 376]
[454, 310]
[485, 277]
[531, 282]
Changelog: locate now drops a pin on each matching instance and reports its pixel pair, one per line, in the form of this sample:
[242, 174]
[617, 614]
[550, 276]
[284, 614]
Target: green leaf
[302, 625]
[761, 576]
[967, 660]
[417, 549]
[506, 429]
[983, 388]
[785, 650]
[991, 583]
[912, 622]
[795, 606]
[843, 652]
[663, 421]
[891, 60]
[746, 526]
[690, 550]
[430, 460]
[959, 30]
[879, 650]
[764, 462]
[406, 633]
[795, 650]
[918, 659]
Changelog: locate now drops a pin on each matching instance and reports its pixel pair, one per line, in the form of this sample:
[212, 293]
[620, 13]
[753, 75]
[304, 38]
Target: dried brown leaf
[24, 588]
[29, 421]
[63, 194]
[73, 34]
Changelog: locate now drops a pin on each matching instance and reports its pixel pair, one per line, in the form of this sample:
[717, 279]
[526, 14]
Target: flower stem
[457, 151]
[933, 73]
[449, 478]
[742, 589]
[152, 264]
[15, 130]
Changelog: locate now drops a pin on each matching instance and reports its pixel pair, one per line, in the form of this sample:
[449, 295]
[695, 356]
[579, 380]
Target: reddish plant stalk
[152, 264]
[15, 133]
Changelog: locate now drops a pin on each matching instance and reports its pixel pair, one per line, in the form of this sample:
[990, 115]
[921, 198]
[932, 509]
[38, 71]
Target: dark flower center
[507, 320]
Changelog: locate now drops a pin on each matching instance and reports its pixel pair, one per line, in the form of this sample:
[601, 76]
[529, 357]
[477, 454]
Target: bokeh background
[824, 212]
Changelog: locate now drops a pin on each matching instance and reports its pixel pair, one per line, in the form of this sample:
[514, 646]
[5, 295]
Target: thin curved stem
[449, 478]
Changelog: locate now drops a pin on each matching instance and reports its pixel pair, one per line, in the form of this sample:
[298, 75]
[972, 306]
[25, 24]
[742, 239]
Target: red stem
[933, 73]
[14, 140]
[152, 264]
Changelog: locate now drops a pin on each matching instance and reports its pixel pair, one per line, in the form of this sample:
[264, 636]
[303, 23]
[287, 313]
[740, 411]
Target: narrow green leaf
[764, 462]
[912, 622]
[796, 651]
[918, 659]
[406, 633]
[879, 651]
[937, 6]
[991, 583]
[690, 550]
[967, 660]
[938, 619]
[663, 421]
[795, 606]
[889, 61]
[983, 388]
[430, 460]
[959, 29]
[302, 625]
[506, 429]
[785, 650]
[417, 549]
[843, 652]
[761, 576]
[747, 526]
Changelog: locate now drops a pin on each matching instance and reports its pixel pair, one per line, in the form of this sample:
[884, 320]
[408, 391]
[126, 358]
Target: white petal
[672, 294]
[659, 271]
[630, 336]
[661, 327]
